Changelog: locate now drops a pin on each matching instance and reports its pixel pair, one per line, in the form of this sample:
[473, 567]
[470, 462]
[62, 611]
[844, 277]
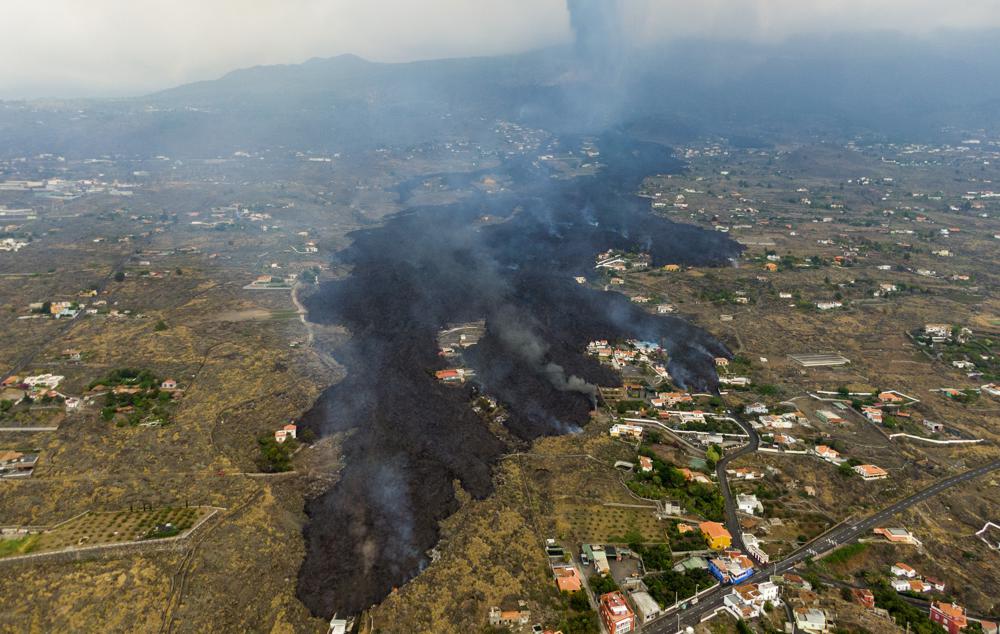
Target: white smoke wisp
[522, 342]
[557, 377]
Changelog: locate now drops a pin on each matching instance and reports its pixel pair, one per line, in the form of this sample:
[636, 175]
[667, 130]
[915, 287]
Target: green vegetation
[179, 519]
[845, 553]
[274, 456]
[134, 396]
[964, 396]
[766, 390]
[713, 456]
[602, 585]
[663, 586]
[918, 620]
[655, 557]
[713, 426]
[981, 350]
[309, 276]
[625, 407]
[90, 529]
[128, 376]
[740, 364]
[691, 540]
[578, 617]
[20, 546]
[666, 481]
[163, 530]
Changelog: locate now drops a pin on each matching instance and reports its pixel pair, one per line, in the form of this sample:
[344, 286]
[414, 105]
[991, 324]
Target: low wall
[108, 551]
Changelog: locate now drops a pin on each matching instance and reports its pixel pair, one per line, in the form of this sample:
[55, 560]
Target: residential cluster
[17, 464]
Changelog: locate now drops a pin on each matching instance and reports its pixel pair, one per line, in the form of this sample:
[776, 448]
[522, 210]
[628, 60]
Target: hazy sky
[116, 47]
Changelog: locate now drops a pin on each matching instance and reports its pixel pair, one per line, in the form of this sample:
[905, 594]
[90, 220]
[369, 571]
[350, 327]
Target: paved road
[732, 519]
[844, 534]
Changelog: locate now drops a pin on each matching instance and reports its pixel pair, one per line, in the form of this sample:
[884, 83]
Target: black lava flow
[510, 259]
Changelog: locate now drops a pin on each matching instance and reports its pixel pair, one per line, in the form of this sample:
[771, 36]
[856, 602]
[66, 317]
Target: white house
[734, 380]
[696, 416]
[747, 601]
[900, 585]
[337, 626]
[871, 472]
[873, 414]
[902, 570]
[621, 430]
[752, 544]
[748, 503]
[744, 473]
[756, 408]
[771, 421]
[829, 454]
[286, 432]
[938, 332]
[810, 619]
[646, 606]
[768, 591]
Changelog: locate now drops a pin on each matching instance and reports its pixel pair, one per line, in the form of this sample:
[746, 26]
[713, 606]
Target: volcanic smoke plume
[597, 29]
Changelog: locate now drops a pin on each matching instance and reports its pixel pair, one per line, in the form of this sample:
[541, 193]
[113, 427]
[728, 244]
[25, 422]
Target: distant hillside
[899, 86]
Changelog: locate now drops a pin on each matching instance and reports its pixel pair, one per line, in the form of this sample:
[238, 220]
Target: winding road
[732, 519]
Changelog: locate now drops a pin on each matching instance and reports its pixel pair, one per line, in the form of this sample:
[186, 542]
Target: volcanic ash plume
[597, 32]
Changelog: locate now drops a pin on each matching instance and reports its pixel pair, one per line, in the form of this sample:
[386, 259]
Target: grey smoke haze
[118, 47]
[597, 29]
[520, 340]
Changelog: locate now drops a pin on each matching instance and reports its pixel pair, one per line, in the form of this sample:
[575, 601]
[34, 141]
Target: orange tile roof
[953, 611]
[872, 470]
[714, 529]
[567, 579]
